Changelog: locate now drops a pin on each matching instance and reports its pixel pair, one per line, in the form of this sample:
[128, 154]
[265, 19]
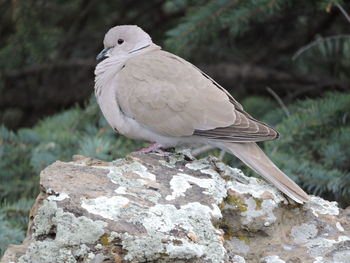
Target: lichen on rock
[60, 236]
[173, 208]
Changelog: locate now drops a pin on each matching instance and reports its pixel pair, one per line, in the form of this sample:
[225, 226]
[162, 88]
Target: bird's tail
[255, 158]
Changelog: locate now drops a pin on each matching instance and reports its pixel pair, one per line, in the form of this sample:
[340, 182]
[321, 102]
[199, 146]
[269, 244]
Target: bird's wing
[172, 97]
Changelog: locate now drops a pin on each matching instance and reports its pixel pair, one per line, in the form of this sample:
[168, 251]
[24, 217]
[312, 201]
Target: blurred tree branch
[256, 78]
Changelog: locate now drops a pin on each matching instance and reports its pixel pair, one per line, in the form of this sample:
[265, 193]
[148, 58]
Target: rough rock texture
[152, 208]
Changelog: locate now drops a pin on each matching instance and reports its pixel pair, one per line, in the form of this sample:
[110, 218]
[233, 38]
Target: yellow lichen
[225, 228]
[239, 235]
[243, 238]
[104, 240]
[222, 205]
[258, 204]
[233, 200]
[228, 236]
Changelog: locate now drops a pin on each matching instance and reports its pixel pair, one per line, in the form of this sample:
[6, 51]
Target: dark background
[47, 48]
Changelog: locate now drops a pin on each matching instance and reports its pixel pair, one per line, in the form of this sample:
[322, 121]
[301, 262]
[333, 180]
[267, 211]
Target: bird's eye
[120, 41]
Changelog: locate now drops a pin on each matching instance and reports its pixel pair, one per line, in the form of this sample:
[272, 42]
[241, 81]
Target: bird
[149, 94]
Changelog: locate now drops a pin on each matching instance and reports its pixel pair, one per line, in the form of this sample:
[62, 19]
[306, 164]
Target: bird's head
[122, 40]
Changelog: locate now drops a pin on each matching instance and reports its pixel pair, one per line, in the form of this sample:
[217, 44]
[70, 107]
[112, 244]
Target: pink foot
[154, 147]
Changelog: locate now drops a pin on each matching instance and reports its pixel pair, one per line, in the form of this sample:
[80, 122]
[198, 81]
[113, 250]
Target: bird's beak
[103, 54]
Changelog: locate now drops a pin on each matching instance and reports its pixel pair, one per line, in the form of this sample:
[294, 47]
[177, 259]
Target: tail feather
[255, 158]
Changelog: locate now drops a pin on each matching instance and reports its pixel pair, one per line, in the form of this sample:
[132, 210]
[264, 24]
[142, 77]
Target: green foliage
[314, 145]
[13, 222]
[9, 235]
[205, 21]
[36, 37]
[216, 27]
[330, 56]
[258, 106]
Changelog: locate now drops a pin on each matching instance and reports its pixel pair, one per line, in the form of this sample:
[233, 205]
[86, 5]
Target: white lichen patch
[128, 184]
[234, 174]
[320, 260]
[71, 236]
[211, 172]
[288, 247]
[238, 259]
[121, 190]
[239, 246]
[166, 164]
[107, 207]
[47, 251]
[187, 250]
[180, 183]
[339, 227]
[197, 165]
[146, 175]
[256, 188]
[320, 206]
[304, 232]
[265, 211]
[163, 221]
[272, 259]
[164, 218]
[213, 212]
[174, 158]
[321, 246]
[116, 174]
[73, 230]
[186, 152]
[42, 221]
[342, 256]
[58, 197]
[99, 246]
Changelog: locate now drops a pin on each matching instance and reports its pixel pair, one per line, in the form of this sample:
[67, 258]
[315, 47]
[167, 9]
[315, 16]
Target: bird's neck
[108, 68]
[144, 50]
[105, 88]
[105, 71]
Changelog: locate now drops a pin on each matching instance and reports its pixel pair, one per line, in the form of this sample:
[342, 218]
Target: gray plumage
[149, 94]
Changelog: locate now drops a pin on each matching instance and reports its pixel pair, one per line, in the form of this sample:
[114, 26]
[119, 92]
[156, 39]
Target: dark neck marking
[138, 49]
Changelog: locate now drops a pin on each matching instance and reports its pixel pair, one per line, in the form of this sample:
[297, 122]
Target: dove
[146, 93]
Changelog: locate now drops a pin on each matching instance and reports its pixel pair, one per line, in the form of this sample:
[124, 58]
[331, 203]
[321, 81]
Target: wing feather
[174, 98]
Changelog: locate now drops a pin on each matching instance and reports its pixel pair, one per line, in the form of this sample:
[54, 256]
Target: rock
[152, 208]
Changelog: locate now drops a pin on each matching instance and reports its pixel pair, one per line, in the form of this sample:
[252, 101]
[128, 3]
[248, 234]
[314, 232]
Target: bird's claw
[152, 148]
